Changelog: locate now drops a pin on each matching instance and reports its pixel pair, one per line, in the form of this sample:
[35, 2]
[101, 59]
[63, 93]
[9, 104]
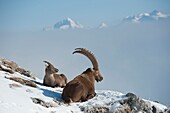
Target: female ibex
[81, 88]
[52, 79]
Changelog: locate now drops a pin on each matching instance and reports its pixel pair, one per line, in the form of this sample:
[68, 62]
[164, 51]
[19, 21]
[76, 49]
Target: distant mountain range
[69, 23]
[147, 17]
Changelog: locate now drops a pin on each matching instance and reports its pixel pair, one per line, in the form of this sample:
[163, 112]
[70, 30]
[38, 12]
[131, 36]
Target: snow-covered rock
[11, 67]
[21, 98]
[147, 17]
[67, 24]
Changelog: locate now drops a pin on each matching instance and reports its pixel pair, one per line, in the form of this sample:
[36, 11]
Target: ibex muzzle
[81, 88]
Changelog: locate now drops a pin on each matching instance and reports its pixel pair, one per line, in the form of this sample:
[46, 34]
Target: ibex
[52, 79]
[81, 88]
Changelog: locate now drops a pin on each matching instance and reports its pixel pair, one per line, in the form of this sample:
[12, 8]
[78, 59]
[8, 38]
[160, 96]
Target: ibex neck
[48, 73]
[89, 76]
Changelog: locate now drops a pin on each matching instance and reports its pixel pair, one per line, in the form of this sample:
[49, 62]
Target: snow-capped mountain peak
[67, 23]
[157, 14]
[145, 17]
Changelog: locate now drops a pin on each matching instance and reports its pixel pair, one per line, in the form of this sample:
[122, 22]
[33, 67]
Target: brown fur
[52, 79]
[82, 88]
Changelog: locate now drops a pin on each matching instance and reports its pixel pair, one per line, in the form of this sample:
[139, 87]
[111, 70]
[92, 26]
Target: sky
[35, 14]
[132, 58]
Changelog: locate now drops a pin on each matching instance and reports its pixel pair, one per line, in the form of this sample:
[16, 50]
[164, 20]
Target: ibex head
[95, 69]
[50, 69]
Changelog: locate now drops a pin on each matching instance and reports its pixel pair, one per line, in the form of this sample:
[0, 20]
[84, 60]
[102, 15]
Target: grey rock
[43, 103]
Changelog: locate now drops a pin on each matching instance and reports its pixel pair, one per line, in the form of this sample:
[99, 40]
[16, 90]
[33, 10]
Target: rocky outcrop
[43, 103]
[22, 81]
[134, 104]
[94, 109]
[12, 67]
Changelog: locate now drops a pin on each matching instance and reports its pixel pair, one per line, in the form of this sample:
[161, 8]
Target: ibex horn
[89, 55]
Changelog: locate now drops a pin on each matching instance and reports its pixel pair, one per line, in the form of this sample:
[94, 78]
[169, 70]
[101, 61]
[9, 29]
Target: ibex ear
[91, 69]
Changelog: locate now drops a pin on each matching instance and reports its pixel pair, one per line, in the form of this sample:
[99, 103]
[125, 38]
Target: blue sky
[132, 58]
[35, 14]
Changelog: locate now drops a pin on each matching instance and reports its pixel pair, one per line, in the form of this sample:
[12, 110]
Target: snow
[18, 99]
[158, 105]
[144, 17]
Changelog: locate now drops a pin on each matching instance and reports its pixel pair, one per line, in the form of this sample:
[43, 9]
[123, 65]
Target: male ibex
[81, 88]
[52, 79]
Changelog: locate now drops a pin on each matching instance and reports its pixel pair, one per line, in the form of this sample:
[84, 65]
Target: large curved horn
[48, 63]
[89, 55]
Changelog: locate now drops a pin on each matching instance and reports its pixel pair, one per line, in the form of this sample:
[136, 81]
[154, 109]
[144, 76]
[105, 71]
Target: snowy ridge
[17, 98]
[22, 93]
[145, 17]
